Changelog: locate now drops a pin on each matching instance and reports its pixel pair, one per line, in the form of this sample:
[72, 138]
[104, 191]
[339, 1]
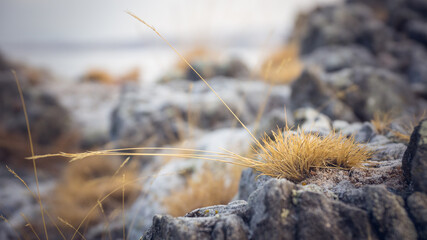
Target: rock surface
[414, 162]
[282, 210]
[159, 115]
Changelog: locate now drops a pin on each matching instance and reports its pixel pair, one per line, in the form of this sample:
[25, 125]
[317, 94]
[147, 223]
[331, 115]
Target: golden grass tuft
[204, 189]
[84, 183]
[295, 155]
[98, 76]
[382, 121]
[283, 66]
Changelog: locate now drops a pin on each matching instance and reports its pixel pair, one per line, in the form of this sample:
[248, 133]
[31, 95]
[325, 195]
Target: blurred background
[70, 38]
[95, 78]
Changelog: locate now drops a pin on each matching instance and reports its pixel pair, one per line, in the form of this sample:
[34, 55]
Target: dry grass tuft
[103, 77]
[84, 183]
[204, 189]
[295, 155]
[381, 122]
[283, 66]
[98, 76]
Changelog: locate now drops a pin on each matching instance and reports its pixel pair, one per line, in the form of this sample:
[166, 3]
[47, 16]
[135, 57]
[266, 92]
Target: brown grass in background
[84, 183]
[208, 187]
[382, 121]
[104, 77]
[98, 76]
[282, 66]
[198, 53]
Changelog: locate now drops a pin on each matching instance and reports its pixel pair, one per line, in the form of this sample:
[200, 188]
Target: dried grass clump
[381, 122]
[294, 155]
[205, 189]
[283, 66]
[84, 183]
[98, 76]
[131, 76]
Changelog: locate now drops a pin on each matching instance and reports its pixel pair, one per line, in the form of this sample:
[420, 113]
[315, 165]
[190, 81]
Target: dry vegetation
[86, 182]
[283, 66]
[103, 77]
[206, 188]
[294, 155]
[382, 123]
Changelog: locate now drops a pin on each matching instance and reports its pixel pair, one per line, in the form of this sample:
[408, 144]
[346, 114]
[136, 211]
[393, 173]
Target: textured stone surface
[386, 211]
[309, 90]
[417, 205]
[414, 161]
[280, 209]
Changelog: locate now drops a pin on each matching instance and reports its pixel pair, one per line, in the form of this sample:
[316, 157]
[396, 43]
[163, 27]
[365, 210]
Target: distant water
[153, 62]
[31, 31]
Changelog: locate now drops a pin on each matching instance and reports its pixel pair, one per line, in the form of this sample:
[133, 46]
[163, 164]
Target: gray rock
[389, 152]
[280, 209]
[335, 58]
[414, 162]
[6, 232]
[309, 90]
[50, 121]
[347, 24]
[417, 76]
[339, 125]
[311, 120]
[377, 90]
[386, 212]
[271, 213]
[365, 133]
[158, 115]
[238, 207]
[217, 227]
[417, 30]
[417, 205]
[321, 218]
[250, 181]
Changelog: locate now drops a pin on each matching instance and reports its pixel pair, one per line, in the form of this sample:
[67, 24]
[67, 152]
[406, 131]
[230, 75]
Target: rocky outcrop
[370, 203]
[162, 114]
[414, 166]
[417, 205]
[282, 210]
[352, 94]
[49, 120]
[309, 90]
[383, 34]
[414, 162]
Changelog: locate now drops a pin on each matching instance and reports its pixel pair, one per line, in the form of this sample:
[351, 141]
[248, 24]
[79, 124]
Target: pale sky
[91, 21]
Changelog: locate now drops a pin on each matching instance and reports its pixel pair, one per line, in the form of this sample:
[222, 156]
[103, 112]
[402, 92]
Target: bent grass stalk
[35, 198]
[71, 226]
[32, 149]
[107, 222]
[30, 226]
